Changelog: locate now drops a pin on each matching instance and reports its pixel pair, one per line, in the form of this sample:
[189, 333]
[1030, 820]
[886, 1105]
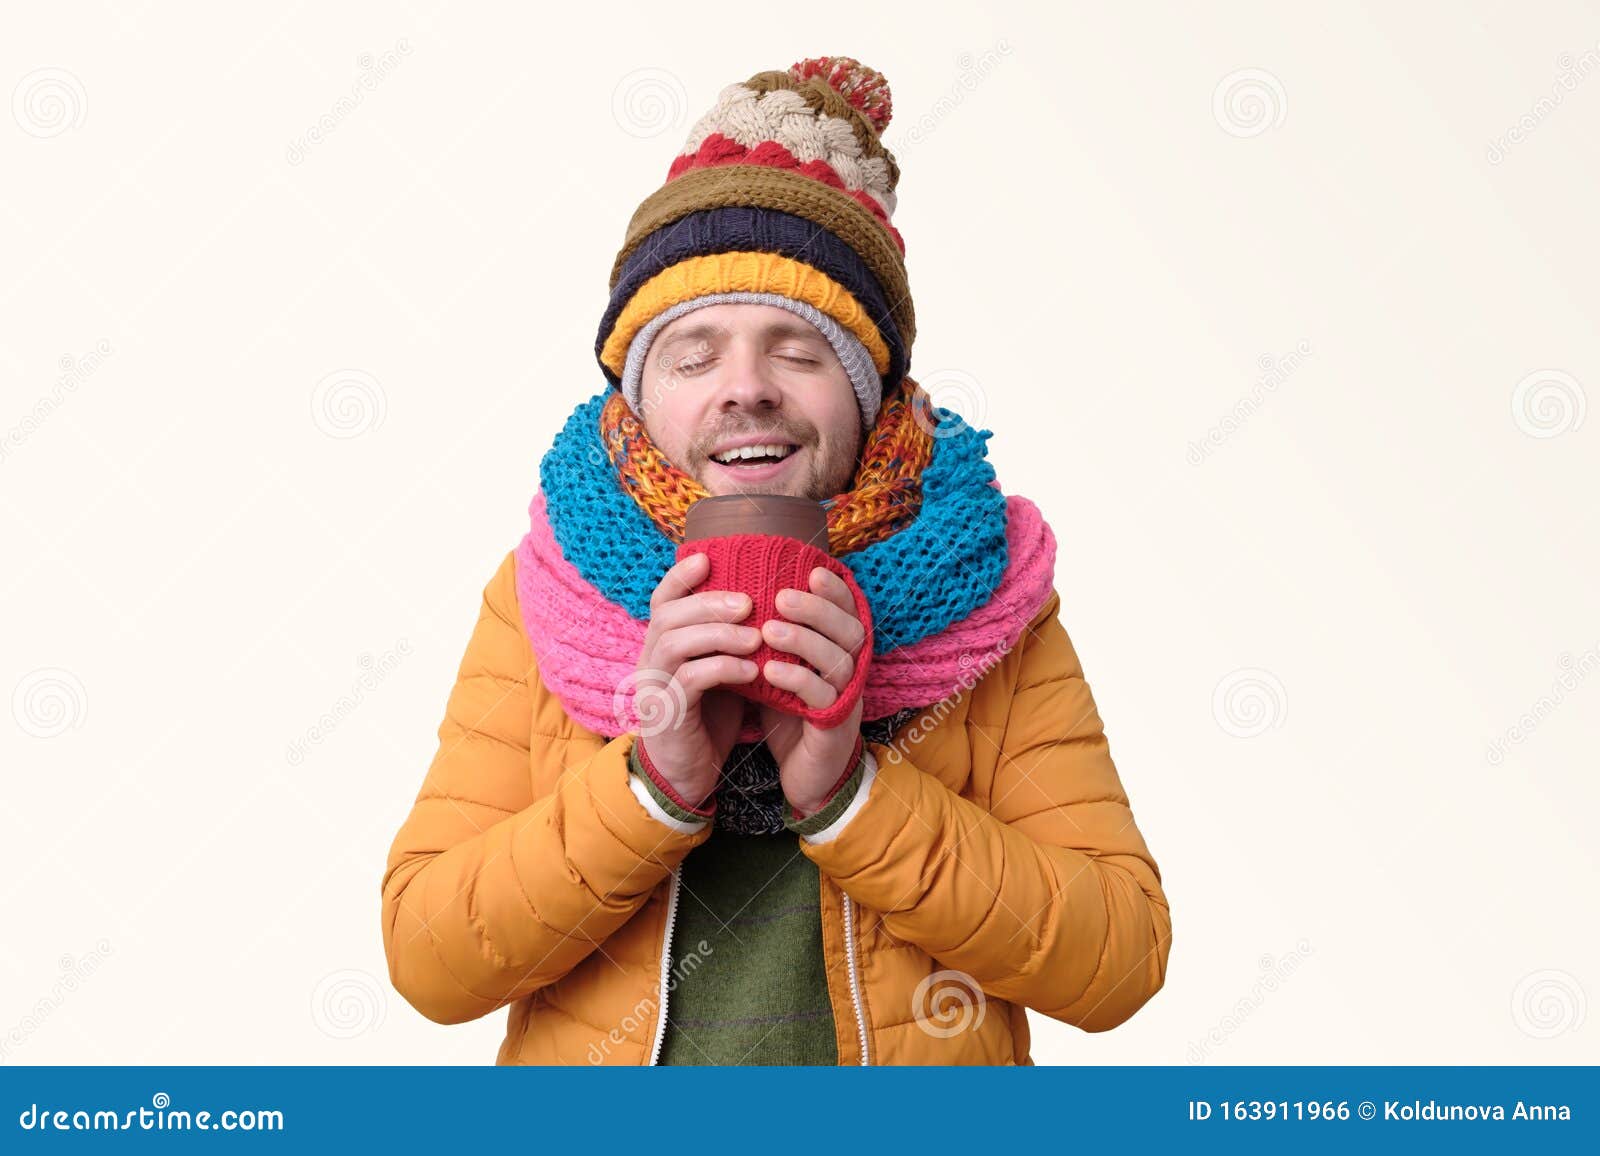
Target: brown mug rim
[803, 519]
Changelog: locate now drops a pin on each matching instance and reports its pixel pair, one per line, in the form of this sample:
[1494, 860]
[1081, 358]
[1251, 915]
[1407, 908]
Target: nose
[747, 380]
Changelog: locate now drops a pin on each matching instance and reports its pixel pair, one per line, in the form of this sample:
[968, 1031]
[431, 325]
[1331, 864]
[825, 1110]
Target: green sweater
[750, 982]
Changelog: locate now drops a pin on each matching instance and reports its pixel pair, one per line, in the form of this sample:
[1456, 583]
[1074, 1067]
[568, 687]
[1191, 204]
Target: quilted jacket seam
[994, 906]
[540, 919]
[1105, 946]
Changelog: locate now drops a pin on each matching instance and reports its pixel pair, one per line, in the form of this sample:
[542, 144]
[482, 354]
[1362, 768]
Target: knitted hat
[783, 195]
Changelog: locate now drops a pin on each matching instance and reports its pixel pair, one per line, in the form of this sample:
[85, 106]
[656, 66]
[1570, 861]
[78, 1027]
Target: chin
[719, 487]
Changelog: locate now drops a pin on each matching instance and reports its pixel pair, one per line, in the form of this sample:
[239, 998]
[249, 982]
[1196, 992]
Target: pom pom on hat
[864, 87]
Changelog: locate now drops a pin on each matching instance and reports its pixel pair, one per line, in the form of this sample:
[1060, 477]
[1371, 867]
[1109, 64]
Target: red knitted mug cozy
[760, 565]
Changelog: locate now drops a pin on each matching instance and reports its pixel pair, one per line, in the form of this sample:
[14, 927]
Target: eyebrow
[705, 331]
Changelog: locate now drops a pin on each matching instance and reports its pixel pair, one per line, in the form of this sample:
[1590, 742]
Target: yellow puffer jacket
[995, 843]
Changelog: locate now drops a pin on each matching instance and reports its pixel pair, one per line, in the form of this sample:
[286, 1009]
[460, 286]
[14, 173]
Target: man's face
[731, 375]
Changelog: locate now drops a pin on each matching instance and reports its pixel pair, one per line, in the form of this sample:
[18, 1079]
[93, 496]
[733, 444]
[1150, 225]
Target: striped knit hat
[783, 195]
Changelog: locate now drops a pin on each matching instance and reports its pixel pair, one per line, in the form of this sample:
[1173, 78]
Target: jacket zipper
[855, 980]
[666, 971]
[666, 966]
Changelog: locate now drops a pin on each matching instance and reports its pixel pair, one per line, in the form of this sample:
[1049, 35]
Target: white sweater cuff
[869, 771]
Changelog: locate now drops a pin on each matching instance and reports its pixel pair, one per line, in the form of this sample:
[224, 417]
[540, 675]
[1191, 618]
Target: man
[656, 849]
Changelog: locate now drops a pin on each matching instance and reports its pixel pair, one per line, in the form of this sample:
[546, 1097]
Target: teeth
[767, 451]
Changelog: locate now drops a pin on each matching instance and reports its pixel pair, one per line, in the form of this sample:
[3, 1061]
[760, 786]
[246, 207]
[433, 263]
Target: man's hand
[692, 646]
[820, 627]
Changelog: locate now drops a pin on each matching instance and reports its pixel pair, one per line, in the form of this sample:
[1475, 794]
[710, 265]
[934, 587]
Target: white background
[273, 409]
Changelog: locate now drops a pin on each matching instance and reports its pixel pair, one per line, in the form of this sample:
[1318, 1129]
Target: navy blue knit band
[756, 230]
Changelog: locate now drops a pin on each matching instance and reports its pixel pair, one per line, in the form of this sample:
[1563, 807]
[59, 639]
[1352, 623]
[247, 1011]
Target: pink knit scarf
[587, 647]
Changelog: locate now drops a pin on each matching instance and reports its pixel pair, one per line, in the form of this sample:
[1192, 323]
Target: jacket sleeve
[1043, 891]
[490, 892]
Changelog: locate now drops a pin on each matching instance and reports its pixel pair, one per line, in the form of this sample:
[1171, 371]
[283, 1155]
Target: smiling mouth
[761, 455]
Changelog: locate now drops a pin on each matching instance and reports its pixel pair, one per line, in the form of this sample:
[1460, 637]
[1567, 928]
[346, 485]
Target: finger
[699, 675]
[706, 606]
[832, 587]
[681, 578]
[813, 691]
[675, 647]
[830, 659]
[824, 616]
